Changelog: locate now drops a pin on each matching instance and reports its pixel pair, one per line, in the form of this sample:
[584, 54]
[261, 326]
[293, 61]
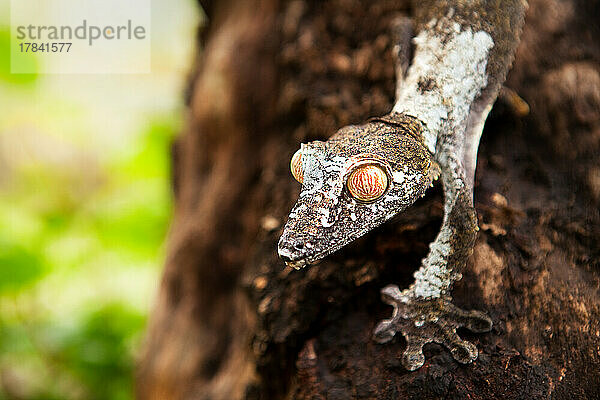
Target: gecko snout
[290, 250]
[293, 251]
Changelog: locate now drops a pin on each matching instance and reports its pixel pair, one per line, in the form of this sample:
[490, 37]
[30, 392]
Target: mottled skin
[326, 217]
[463, 52]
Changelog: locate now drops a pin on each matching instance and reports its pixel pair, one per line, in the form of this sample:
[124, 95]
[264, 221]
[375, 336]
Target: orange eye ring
[367, 182]
[296, 166]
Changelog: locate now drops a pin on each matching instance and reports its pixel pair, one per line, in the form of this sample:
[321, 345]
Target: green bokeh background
[85, 205]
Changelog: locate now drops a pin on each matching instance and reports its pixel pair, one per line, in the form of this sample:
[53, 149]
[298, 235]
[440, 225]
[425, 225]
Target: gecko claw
[423, 321]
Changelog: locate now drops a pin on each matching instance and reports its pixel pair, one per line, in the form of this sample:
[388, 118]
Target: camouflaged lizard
[364, 175]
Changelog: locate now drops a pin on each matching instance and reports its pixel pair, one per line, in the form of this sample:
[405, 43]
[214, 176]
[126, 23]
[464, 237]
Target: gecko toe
[429, 320]
[413, 357]
[384, 331]
[464, 352]
[391, 295]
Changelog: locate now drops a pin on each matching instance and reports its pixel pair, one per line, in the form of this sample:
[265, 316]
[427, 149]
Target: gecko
[365, 174]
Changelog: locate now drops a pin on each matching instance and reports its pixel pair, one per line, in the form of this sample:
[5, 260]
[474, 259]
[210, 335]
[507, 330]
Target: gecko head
[353, 182]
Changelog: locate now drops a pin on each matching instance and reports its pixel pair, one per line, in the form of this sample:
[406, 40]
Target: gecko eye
[367, 182]
[296, 166]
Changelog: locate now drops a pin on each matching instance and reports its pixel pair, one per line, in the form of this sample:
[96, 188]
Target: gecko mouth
[298, 256]
[295, 258]
[296, 263]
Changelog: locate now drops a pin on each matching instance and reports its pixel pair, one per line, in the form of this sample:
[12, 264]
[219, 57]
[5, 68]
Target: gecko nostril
[290, 249]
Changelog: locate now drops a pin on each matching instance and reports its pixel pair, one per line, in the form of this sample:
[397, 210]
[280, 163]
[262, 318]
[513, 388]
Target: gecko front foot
[422, 321]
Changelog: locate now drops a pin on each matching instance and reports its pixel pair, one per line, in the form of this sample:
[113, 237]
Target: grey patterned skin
[463, 51]
[326, 217]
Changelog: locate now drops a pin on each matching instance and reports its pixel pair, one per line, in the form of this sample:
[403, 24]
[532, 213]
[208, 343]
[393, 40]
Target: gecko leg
[424, 321]
[424, 313]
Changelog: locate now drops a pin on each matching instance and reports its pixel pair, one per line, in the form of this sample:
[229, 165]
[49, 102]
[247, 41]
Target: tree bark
[231, 322]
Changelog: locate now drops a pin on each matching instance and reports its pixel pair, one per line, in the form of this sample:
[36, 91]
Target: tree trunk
[232, 322]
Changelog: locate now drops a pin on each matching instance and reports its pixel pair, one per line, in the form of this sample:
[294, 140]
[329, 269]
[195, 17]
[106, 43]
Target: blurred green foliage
[84, 209]
[20, 266]
[88, 359]
[80, 250]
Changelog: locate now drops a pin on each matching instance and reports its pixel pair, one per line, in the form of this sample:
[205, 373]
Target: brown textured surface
[230, 322]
